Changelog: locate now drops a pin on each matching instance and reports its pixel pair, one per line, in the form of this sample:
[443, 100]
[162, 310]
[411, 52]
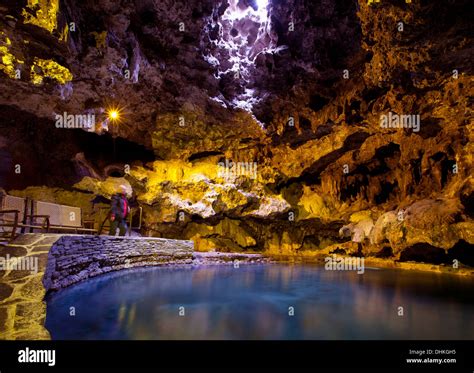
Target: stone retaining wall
[75, 258]
[66, 259]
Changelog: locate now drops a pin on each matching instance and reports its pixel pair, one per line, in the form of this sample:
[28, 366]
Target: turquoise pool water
[268, 301]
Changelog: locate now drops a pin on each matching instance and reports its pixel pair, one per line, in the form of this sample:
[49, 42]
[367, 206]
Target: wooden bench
[25, 214]
[13, 217]
[62, 218]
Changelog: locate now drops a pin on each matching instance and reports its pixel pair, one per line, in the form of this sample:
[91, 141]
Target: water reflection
[252, 302]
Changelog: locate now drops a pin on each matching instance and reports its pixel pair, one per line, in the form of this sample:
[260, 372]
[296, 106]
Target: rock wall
[76, 258]
[329, 71]
[22, 309]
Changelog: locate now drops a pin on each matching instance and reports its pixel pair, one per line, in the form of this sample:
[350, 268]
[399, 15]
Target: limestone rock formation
[341, 113]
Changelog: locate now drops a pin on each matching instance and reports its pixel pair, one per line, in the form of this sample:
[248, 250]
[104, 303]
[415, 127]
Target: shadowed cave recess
[292, 92]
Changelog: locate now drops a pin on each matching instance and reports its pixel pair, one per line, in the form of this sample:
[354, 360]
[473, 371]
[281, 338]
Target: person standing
[119, 209]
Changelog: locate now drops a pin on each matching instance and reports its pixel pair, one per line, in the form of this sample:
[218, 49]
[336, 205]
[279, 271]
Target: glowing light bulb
[113, 114]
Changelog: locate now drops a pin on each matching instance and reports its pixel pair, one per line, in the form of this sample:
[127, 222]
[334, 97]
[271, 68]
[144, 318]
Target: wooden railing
[14, 223]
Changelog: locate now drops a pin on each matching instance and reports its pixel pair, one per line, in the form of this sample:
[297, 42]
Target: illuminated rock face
[358, 116]
[42, 13]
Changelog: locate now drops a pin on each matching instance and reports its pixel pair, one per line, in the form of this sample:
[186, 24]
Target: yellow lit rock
[203, 244]
[465, 231]
[8, 61]
[51, 69]
[383, 223]
[271, 205]
[197, 188]
[312, 205]
[42, 13]
[232, 229]
[64, 34]
[227, 234]
[360, 215]
[173, 137]
[175, 171]
[309, 152]
[286, 244]
[425, 221]
[106, 188]
[100, 39]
